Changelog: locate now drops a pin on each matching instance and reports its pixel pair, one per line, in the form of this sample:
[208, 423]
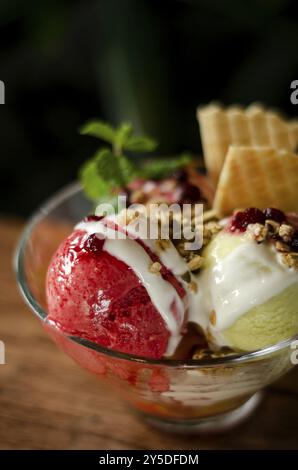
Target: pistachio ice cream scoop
[249, 285]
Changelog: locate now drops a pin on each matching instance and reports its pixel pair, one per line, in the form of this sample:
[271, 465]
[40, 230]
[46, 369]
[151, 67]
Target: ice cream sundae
[156, 298]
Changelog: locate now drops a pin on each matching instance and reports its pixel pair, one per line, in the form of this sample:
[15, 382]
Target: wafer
[257, 177]
[253, 126]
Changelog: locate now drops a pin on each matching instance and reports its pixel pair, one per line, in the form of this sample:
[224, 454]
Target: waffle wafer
[253, 126]
[257, 177]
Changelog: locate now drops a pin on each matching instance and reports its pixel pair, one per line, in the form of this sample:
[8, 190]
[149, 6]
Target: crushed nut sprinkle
[155, 268]
[291, 260]
[212, 318]
[195, 263]
[286, 233]
[181, 249]
[282, 247]
[272, 227]
[207, 234]
[193, 287]
[213, 227]
[258, 232]
[128, 216]
[200, 354]
[162, 244]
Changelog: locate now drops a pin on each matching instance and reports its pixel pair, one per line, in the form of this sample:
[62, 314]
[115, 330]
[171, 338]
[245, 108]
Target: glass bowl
[208, 395]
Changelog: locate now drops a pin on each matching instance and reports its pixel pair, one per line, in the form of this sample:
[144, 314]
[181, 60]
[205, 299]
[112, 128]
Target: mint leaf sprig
[110, 169]
[121, 138]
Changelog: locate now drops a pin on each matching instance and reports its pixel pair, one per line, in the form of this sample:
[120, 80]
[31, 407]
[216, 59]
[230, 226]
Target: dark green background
[151, 62]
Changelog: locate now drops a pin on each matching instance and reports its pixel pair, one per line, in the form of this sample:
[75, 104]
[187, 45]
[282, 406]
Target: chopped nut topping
[162, 244]
[212, 318]
[286, 232]
[213, 227]
[193, 287]
[258, 232]
[272, 226]
[209, 230]
[206, 236]
[282, 247]
[201, 354]
[181, 248]
[195, 263]
[155, 268]
[127, 216]
[291, 260]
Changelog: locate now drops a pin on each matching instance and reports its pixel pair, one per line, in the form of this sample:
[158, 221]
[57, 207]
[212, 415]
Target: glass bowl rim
[43, 210]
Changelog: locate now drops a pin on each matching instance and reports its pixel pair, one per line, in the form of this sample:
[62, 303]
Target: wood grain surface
[48, 402]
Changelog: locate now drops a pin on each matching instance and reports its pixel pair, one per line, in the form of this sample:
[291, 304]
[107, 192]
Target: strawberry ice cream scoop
[97, 296]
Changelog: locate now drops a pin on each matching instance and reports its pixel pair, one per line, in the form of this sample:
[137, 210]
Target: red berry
[275, 214]
[99, 298]
[241, 220]
[93, 244]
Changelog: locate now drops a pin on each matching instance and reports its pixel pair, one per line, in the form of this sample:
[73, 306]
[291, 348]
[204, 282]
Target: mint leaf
[162, 167]
[140, 144]
[120, 138]
[93, 185]
[104, 173]
[128, 169]
[108, 168]
[99, 129]
[123, 133]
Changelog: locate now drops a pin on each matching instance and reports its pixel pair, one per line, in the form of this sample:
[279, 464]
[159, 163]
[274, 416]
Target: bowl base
[211, 425]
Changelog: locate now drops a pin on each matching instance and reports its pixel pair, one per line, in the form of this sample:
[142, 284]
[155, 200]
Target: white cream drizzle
[248, 276]
[162, 294]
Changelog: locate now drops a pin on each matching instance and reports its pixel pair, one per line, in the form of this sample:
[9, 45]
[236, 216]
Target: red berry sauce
[240, 220]
[275, 214]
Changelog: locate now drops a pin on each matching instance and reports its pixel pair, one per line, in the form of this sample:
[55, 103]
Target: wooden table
[48, 402]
